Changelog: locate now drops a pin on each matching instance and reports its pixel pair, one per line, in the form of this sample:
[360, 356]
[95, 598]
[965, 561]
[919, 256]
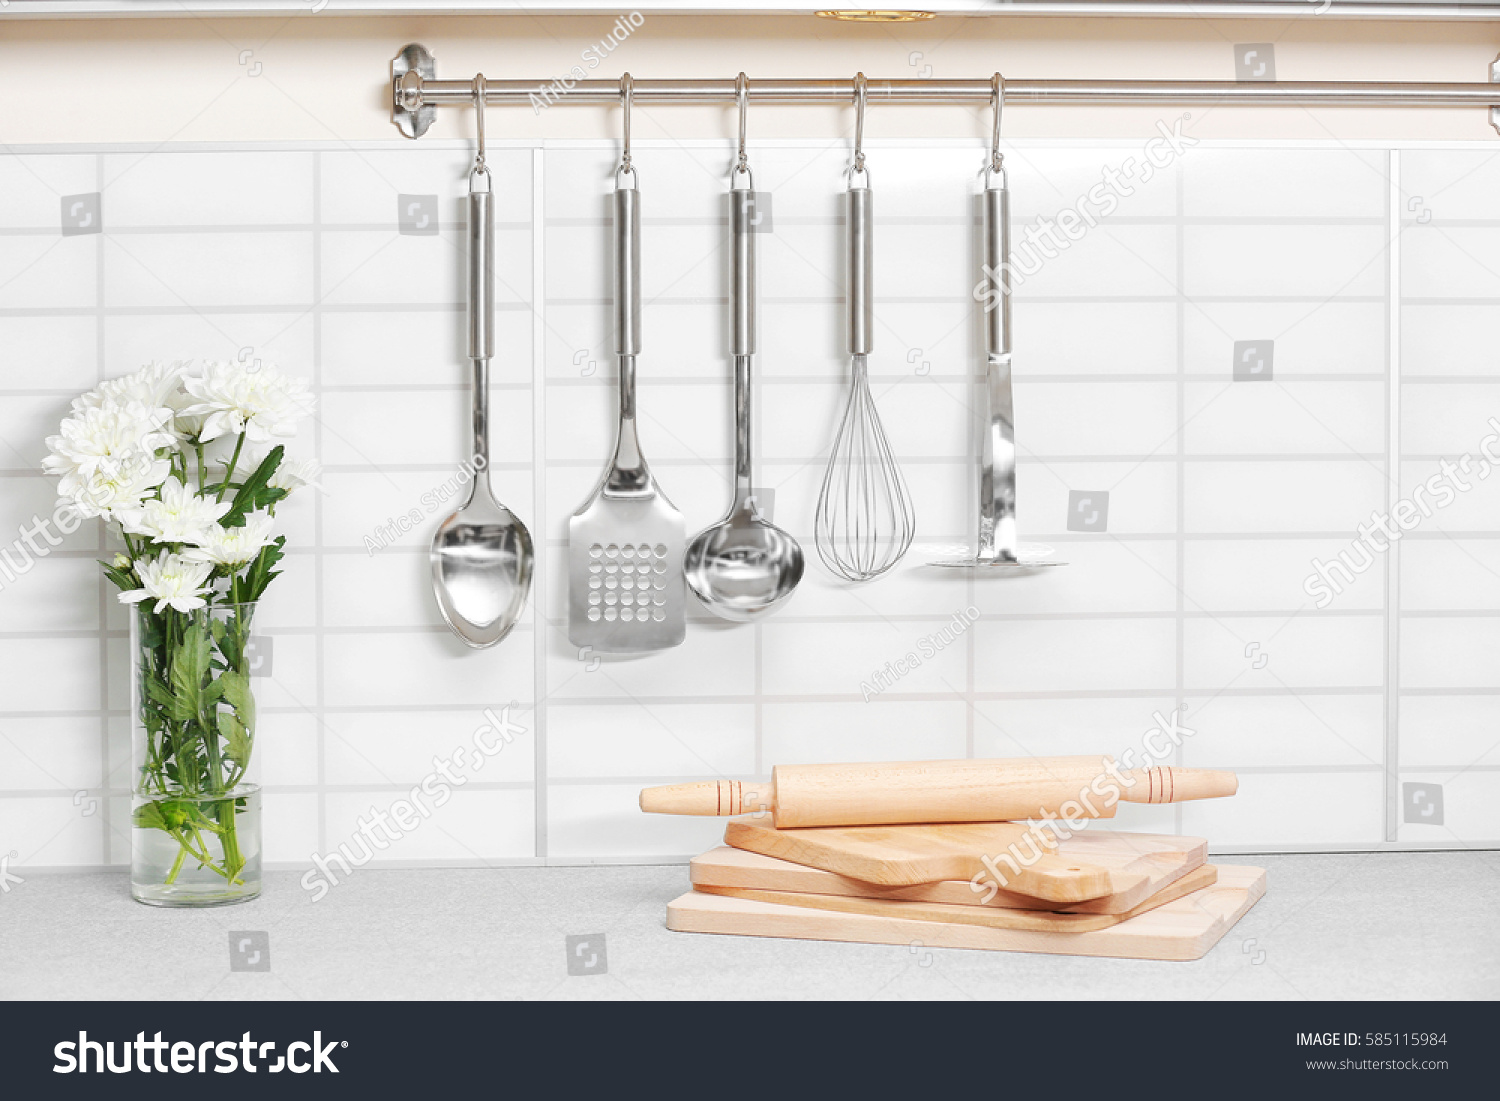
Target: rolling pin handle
[709, 798]
[1178, 785]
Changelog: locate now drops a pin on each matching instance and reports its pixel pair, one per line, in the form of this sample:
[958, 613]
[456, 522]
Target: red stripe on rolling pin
[1172, 779]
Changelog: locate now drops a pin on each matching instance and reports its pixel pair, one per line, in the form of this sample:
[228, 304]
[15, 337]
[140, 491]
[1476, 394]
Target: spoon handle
[481, 308]
[742, 220]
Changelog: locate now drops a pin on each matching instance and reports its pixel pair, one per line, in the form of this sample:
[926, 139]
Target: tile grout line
[319, 572]
[615, 699]
[1392, 700]
[714, 145]
[910, 221]
[631, 780]
[972, 478]
[667, 776]
[926, 301]
[757, 452]
[539, 497]
[106, 841]
[1180, 549]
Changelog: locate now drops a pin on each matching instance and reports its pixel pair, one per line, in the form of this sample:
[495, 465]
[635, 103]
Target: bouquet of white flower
[177, 457]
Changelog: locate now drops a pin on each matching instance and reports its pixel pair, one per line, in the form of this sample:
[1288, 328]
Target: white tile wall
[1221, 494]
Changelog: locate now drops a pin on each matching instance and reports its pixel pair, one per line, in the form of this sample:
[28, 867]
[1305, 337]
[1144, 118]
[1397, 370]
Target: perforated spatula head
[625, 590]
[626, 544]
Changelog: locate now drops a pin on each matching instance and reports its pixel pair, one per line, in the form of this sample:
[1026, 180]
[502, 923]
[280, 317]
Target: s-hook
[627, 90]
[742, 96]
[861, 101]
[997, 101]
[480, 168]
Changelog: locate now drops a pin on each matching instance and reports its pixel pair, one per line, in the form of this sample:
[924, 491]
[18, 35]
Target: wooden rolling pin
[940, 791]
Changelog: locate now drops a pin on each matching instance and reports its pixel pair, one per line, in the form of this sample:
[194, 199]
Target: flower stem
[233, 462]
[177, 865]
[230, 843]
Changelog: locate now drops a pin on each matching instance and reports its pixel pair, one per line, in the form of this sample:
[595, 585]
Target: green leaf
[229, 646]
[237, 744]
[189, 668]
[234, 689]
[177, 709]
[161, 814]
[155, 724]
[255, 493]
[148, 816]
[152, 635]
[262, 570]
[125, 579]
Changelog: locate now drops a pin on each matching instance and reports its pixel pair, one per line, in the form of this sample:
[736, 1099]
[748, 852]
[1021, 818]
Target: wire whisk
[865, 521]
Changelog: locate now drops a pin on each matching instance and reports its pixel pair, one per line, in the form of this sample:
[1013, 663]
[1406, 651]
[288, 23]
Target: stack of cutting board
[1002, 885]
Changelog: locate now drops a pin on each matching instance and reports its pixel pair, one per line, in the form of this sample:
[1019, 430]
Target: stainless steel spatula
[626, 544]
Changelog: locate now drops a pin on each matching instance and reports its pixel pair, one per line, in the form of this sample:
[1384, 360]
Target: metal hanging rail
[416, 93]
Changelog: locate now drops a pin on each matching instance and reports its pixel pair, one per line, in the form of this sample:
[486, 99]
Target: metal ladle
[482, 555]
[743, 567]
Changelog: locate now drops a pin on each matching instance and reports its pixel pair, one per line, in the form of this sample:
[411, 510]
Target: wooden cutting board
[1182, 930]
[1139, 864]
[994, 853]
[990, 917]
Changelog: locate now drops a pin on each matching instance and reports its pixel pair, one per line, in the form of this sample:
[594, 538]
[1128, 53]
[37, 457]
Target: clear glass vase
[195, 823]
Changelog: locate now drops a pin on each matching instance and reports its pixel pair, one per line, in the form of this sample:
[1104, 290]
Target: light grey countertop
[1371, 925]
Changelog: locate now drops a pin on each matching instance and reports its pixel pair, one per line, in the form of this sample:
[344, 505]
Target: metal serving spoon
[482, 555]
[743, 567]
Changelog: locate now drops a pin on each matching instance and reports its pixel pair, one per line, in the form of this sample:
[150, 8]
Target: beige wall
[322, 77]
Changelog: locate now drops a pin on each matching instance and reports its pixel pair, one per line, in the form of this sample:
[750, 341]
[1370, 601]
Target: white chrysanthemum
[259, 401]
[103, 434]
[172, 581]
[116, 487]
[156, 386]
[293, 474]
[180, 516]
[223, 546]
